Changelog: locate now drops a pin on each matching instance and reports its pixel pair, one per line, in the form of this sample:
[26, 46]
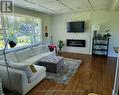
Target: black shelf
[100, 46]
[103, 55]
[100, 38]
[100, 49]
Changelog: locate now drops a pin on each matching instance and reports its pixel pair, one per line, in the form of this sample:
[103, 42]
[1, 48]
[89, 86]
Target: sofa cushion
[11, 56]
[40, 70]
[1, 57]
[36, 58]
[23, 54]
[23, 67]
[30, 75]
[2, 63]
[37, 50]
[45, 48]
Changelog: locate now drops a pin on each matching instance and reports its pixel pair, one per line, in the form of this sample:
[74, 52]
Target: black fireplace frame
[76, 42]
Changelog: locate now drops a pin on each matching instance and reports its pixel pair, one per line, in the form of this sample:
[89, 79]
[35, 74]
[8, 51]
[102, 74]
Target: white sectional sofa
[18, 59]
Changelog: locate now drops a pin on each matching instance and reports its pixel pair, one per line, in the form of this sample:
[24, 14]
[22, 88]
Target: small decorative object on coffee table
[52, 47]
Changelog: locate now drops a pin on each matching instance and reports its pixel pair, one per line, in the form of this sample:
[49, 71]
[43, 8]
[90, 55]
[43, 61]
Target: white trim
[113, 93]
[115, 88]
[21, 48]
[22, 15]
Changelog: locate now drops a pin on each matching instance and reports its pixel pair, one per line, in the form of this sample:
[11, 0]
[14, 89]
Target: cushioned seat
[35, 59]
[24, 54]
[40, 70]
[52, 63]
[21, 70]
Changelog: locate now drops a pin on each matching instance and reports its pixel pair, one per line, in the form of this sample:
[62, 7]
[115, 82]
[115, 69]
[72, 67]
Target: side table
[1, 91]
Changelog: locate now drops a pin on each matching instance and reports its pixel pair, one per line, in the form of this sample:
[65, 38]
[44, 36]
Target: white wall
[108, 20]
[59, 30]
[105, 19]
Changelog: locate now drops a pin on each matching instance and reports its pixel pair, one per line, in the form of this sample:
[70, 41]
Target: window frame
[25, 16]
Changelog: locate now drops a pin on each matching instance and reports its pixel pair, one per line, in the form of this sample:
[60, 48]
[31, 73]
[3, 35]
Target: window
[23, 30]
[1, 37]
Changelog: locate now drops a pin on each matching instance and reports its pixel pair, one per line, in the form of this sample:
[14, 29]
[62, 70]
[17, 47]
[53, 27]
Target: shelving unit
[100, 46]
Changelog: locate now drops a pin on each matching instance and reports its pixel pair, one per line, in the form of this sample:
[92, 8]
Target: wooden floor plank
[95, 74]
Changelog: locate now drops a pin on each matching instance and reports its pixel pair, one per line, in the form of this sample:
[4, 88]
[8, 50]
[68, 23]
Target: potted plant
[107, 35]
[60, 45]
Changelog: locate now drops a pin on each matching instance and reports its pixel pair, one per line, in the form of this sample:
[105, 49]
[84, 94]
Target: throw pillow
[23, 67]
[37, 50]
[12, 56]
[23, 54]
[33, 68]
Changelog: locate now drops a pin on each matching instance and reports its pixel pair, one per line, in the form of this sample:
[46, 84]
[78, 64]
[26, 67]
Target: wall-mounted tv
[76, 26]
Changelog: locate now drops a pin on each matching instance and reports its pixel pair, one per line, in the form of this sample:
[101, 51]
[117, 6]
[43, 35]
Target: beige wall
[105, 19]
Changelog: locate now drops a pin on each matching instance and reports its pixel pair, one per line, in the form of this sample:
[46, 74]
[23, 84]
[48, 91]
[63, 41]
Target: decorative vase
[95, 34]
[60, 49]
[60, 52]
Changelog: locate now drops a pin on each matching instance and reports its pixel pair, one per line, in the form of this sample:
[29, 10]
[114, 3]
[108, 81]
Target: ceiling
[64, 6]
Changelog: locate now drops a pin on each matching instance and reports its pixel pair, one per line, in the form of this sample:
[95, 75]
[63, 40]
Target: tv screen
[76, 27]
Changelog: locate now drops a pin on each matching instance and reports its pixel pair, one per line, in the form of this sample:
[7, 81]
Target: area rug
[65, 74]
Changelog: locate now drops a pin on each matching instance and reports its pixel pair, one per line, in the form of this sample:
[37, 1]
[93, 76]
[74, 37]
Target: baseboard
[112, 92]
[77, 52]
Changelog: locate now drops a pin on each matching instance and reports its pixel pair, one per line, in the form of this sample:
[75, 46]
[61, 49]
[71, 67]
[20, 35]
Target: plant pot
[51, 49]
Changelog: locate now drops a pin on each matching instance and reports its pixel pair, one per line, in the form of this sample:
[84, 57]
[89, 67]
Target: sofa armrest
[18, 79]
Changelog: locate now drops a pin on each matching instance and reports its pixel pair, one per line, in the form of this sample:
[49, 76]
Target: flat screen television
[76, 27]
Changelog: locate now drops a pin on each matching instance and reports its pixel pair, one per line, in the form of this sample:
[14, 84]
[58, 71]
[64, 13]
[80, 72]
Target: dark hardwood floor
[95, 74]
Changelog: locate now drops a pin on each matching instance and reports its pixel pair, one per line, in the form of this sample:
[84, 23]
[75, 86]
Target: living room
[37, 25]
